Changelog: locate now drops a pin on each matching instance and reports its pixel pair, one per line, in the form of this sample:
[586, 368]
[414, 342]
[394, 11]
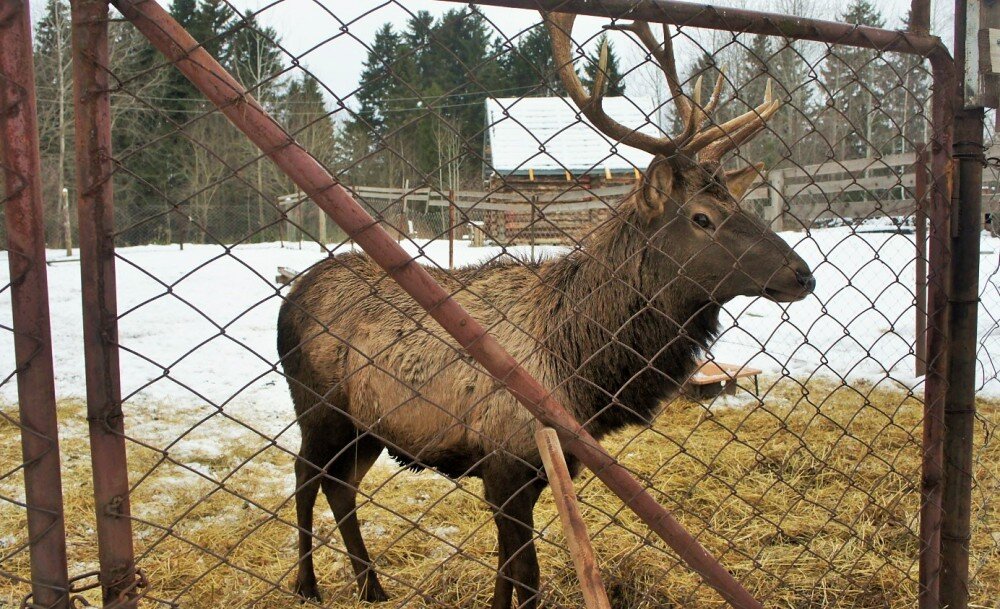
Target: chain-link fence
[721, 245]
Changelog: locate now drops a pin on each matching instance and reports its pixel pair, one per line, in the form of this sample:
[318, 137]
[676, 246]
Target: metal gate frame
[23, 214]
[952, 295]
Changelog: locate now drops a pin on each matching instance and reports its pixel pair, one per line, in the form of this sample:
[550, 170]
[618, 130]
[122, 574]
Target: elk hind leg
[340, 486]
[307, 483]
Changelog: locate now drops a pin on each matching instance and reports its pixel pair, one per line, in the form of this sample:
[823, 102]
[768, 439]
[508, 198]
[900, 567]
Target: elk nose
[806, 280]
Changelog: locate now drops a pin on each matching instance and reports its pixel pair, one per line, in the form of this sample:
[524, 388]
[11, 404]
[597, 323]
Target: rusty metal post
[960, 404]
[920, 170]
[938, 293]
[95, 209]
[19, 158]
[173, 41]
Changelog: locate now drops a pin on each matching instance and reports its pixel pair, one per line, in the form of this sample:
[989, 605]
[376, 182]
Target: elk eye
[702, 220]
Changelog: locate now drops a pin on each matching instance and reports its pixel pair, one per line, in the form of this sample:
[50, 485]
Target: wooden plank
[286, 275]
[776, 204]
[836, 187]
[526, 208]
[577, 537]
[718, 372]
[989, 50]
[852, 166]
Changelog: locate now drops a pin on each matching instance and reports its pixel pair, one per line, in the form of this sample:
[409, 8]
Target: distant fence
[789, 198]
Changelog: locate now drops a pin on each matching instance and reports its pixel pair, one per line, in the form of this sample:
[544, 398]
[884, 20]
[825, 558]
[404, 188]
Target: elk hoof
[373, 592]
[308, 591]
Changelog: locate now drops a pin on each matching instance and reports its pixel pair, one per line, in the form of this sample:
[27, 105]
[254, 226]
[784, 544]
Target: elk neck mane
[622, 343]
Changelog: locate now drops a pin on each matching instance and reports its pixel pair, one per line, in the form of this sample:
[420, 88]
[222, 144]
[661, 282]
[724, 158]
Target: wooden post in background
[920, 264]
[299, 216]
[531, 225]
[402, 211]
[775, 218]
[322, 231]
[66, 225]
[451, 229]
[577, 538]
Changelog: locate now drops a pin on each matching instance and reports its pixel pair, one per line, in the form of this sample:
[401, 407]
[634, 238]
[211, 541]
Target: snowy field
[198, 326]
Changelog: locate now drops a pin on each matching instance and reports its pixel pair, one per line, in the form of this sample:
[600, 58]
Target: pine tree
[529, 67]
[852, 86]
[184, 11]
[255, 58]
[379, 84]
[614, 80]
[307, 118]
[422, 94]
[908, 98]
[793, 125]
[212, 22]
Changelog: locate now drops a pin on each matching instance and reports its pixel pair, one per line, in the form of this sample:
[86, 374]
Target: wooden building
[543, 152]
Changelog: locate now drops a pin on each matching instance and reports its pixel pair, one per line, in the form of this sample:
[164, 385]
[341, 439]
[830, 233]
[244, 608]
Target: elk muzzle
[792, 283]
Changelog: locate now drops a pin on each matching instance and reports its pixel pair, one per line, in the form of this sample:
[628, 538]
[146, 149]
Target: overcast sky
[329, 38]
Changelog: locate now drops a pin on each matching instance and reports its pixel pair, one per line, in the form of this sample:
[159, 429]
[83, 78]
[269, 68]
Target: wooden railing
[791, 197]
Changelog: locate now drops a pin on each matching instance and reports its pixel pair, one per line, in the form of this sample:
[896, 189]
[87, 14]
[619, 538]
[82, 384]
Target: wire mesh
[797, 464]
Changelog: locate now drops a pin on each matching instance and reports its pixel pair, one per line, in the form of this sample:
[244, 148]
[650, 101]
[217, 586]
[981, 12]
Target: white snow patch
[198, 330]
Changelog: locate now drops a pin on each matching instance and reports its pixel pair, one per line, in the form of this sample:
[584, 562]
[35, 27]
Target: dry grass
[810, 500]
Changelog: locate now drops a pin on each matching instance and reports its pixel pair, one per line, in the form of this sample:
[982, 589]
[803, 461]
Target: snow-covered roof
[543, 134]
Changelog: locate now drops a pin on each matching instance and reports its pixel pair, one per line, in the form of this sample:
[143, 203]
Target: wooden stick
[577, 538]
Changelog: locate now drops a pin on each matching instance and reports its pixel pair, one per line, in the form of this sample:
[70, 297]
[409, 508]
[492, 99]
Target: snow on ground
[198, 328]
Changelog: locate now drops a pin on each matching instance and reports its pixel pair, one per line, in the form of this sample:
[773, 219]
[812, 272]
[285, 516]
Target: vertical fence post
[321, 220]
[67, 226]
[777, 196]
[960, 404]
[19, 158]
[920, 264]
[963, 317]
[938, 293]
[300, 217]
[451, 229]
[402, 210]
[95, 209]
[531, 225]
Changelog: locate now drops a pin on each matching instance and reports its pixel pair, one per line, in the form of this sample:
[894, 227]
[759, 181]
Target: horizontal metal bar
[738, 20]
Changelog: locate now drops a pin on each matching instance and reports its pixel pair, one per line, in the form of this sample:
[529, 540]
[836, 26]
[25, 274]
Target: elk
[613, 327]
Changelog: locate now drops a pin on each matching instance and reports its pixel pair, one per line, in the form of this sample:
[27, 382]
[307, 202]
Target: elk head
[688, 207]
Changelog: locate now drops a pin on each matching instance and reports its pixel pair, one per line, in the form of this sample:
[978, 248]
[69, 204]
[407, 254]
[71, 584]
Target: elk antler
[712, 142]
[560, 25]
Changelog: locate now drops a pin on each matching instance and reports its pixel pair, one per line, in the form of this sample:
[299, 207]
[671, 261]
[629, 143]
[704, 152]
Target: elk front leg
[512, 492]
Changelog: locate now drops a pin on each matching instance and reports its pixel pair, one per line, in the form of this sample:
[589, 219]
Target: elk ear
[739, 180]
[658, 184]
